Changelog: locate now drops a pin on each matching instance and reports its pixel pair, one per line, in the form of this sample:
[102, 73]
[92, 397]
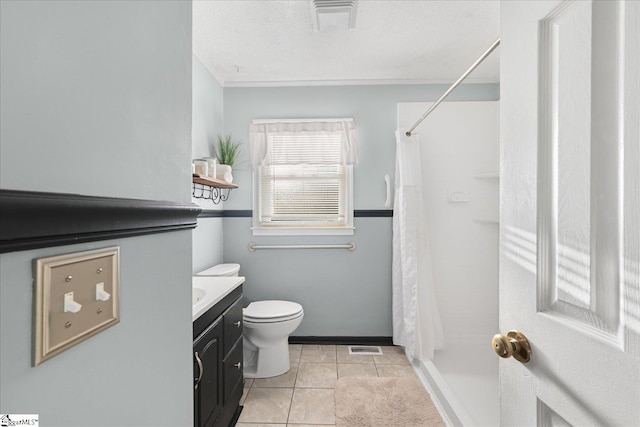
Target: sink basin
[196, 295]
[207, 291]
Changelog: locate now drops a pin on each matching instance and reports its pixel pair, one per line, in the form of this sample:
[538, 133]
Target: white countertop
[215, 288]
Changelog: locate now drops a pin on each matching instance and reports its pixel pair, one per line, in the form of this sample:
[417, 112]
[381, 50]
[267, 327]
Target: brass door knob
[513, 344]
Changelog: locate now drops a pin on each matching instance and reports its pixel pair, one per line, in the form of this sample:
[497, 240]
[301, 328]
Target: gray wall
[343, 293]
[207, 125]
[96, 100]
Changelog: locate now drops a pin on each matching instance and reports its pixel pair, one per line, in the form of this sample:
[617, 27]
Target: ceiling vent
[333, 15]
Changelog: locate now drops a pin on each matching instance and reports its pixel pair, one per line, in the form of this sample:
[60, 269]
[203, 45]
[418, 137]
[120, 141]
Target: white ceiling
[272, 42]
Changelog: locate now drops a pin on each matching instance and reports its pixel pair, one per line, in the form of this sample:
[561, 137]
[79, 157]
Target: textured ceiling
[268, 42]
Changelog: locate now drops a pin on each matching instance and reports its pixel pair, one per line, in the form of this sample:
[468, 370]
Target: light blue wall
[96, 100]
[207, 111]
[90, 98]
[372, 107]
[343, 293]
[207, 125]
[207, 242]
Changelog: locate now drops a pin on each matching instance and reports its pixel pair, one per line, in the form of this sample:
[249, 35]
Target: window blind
[303, 181]
[310, 194]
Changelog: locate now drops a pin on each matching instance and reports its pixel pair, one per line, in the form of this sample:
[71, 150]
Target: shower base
[466, 392]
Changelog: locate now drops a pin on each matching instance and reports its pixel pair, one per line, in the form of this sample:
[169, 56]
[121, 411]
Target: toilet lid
[272, 310]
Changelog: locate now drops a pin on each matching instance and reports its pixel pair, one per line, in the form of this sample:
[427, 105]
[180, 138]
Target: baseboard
[342, 340]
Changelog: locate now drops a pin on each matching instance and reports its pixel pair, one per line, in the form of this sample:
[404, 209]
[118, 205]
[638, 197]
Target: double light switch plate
[76, 297]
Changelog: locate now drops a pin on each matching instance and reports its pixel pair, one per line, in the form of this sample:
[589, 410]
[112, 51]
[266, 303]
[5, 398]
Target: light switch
[101, 295]
[76, 298]
[70, 306]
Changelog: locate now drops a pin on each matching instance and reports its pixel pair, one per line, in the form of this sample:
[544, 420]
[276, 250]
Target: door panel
[570, 123]
[565, 88]
[579, 190]
[547, 417]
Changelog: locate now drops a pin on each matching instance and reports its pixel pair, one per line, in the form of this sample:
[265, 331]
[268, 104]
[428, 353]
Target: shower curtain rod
[455, 85]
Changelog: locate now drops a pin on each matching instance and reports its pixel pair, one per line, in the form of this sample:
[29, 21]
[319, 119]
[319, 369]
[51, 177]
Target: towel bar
[253, 246]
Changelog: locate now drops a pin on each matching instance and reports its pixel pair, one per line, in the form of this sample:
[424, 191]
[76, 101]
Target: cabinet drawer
[232, 325]
[232, 369]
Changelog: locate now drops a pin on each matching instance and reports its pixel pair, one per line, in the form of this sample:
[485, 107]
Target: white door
[570, 207]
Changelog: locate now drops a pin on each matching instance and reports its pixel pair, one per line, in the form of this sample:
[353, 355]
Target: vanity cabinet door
[208, 354]
[232, 325]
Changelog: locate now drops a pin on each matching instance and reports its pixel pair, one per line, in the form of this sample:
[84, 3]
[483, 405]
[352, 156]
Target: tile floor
[304, 396]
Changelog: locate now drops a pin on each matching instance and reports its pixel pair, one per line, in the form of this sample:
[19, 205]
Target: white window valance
[289, 142]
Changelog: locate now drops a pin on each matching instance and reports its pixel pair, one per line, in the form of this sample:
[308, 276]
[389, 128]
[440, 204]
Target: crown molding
[352, 82]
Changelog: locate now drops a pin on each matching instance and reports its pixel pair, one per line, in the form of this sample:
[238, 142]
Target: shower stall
[459, 145]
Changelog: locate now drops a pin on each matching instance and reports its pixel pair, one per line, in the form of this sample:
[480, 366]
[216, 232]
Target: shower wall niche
[461, 182]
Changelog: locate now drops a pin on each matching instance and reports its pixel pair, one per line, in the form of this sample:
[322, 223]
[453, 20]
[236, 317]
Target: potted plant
[227, 153]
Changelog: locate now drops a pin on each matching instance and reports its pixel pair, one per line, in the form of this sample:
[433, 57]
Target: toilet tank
[221, 270]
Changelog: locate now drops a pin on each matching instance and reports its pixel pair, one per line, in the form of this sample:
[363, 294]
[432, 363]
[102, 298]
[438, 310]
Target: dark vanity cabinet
[217, 363]
[207, 354]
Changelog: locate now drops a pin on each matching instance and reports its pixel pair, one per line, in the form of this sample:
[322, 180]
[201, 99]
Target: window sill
[303, 231]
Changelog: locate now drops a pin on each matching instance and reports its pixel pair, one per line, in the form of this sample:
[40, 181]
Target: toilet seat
[272, 311]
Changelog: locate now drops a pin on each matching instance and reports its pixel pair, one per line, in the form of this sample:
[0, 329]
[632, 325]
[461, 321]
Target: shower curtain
[416, 320]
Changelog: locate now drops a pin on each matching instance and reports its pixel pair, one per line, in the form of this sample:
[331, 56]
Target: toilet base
[266, 362]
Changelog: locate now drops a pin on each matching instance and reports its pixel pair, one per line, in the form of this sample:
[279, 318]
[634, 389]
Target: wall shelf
[211, 188]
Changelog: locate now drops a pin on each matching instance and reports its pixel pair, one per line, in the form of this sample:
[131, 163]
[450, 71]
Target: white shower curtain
[416, 320]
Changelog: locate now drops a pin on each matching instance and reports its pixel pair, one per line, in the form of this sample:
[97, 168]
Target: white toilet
[267, 326]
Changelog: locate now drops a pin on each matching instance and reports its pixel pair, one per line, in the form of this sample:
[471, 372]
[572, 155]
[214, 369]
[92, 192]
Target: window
[303, 176]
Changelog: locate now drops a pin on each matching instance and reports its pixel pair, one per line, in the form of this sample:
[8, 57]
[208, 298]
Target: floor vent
[365, 350]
